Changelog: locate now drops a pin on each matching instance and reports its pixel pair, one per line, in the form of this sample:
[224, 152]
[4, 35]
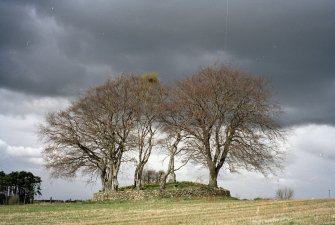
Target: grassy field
[168, 211]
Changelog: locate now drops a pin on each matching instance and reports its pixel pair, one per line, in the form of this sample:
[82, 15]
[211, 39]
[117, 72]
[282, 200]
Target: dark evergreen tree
[22, 185]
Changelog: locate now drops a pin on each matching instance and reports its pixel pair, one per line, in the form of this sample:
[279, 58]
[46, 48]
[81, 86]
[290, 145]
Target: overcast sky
[52, 51]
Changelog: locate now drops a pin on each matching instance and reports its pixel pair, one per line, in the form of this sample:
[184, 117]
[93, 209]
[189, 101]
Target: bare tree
[159, 176]
[172, 143]
[148, 176]
[229, 119]
[284, 193]
[152, 176]
[144, 135]
[90, 136]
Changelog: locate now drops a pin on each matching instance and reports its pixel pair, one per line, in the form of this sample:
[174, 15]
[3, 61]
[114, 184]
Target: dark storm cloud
[61, 47]
[31, 60]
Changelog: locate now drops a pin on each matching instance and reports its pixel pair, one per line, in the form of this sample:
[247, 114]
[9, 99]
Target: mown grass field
[168, 211]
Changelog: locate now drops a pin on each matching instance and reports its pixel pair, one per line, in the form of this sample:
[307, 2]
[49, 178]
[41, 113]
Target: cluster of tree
[219, 117]
[152, 176]
[284, 193]
[19, 187]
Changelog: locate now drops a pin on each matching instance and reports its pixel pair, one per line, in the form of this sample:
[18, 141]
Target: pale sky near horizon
[52, 51]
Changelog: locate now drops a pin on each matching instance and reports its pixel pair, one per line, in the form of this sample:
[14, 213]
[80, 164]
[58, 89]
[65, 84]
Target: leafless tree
[284, 193]
[152, 176]
[159, 176]
[173, 144]
[90, 136]
[148, 176]
[229, 119]
[144, 135]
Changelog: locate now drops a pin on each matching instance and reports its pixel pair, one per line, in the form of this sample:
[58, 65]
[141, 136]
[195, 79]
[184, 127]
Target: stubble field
[168, 211]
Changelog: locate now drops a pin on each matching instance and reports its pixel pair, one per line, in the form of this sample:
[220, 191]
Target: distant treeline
[19, 187]
[57, 201]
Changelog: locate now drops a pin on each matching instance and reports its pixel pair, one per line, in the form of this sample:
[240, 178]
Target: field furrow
[206, 211]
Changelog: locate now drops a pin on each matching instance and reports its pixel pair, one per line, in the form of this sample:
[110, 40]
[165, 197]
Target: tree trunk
[103, 181]
[111, 184]
[172, 174]
[137, 183]
[108, 185]
[109, 179]
[213, 176]
[172, 177]
[115, 183]
[163, 181]
[138, 176]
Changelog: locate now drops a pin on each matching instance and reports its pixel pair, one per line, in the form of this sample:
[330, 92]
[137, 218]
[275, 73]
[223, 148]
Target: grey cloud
[15, 158]
[317, 141]
[63, 47]
[18, 104]
[31, 60]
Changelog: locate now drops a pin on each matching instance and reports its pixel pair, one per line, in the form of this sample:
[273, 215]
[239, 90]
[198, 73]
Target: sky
[52, 51]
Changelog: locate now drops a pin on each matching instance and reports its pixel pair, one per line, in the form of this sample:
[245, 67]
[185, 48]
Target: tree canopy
[221, 117]
[229, 119]
[93, 133]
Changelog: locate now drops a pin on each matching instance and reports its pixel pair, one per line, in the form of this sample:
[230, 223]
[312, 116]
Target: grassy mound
[184, 190]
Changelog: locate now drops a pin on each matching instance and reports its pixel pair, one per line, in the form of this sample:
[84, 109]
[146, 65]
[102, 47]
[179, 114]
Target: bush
[13, 200]
[284, 193]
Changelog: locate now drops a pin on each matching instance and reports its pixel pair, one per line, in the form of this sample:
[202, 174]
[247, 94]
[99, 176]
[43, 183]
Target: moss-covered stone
[151, 194]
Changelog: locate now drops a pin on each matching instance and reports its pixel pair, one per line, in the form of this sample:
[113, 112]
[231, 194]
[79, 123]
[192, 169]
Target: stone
[148, 194]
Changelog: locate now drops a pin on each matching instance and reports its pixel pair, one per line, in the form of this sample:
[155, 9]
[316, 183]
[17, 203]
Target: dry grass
[167, 211]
